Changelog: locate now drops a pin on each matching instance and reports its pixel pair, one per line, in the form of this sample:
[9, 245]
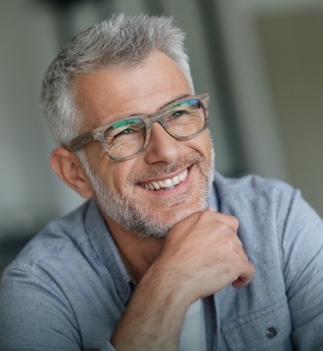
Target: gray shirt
[68, 287]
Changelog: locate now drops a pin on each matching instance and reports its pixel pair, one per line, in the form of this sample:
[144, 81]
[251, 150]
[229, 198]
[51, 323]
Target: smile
[166, 183]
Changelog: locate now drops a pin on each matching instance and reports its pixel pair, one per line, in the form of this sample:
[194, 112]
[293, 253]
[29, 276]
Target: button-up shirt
[68, 287]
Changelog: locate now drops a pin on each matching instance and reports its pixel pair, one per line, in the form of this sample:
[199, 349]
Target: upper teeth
[167, 183]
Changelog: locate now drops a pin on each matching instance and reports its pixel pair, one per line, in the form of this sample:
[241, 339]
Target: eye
[123, 129]
[183, 109]
[177, 114]
[126, 132]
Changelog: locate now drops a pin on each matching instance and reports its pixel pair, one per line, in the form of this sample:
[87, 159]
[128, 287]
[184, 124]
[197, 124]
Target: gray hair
[117, 41]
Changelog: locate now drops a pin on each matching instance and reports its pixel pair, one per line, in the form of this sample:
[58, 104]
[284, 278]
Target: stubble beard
[134, 216]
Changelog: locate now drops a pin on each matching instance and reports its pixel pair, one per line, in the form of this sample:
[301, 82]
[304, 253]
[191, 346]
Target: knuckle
[234, 221]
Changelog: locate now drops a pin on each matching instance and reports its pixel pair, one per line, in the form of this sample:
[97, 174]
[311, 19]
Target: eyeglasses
[183, 119]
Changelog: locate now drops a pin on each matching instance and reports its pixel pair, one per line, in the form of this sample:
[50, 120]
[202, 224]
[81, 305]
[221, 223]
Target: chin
[158, 226]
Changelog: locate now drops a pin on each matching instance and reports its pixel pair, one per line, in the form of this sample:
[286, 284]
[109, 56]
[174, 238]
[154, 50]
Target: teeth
[167, 183]
[156, 185]
[176, 180]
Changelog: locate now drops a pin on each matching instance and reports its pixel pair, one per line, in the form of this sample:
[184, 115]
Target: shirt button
[271, 332]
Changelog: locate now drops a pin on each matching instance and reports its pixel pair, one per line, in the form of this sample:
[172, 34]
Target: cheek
[208, 144]
[202, 144]
[115, 174]
[111, 173]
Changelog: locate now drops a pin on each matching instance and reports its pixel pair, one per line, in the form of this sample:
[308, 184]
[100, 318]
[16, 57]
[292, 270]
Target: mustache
[155, 171]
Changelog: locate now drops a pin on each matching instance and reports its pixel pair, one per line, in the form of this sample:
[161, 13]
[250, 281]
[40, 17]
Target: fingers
[247, 267]
[205, 251]
[229, 220]
[245, 278]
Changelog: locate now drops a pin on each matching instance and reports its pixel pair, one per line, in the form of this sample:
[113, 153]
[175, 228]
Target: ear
[69, 168]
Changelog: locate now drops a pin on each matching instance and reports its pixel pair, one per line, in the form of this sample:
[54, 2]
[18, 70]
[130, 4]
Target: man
[165, 254]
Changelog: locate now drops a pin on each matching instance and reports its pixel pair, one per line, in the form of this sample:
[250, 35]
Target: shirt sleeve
[303, 271]
[35, 314]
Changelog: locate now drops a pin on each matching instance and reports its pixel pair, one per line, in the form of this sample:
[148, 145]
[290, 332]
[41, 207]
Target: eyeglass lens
[127, 137]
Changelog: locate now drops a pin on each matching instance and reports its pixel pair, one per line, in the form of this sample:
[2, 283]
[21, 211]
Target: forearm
[153, 317]
[201, 255]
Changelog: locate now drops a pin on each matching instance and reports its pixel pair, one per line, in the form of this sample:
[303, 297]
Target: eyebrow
[118, 122]
[161, 107]
[124, 122]
[178, 98]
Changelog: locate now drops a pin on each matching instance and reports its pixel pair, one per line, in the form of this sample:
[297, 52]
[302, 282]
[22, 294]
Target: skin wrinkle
[161, 171]
[118, 206]
[126, 205]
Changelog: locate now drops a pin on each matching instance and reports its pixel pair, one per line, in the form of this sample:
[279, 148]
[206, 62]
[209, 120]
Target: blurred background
[260, 60]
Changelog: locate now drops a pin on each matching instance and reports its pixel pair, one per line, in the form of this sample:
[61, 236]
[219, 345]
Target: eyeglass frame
[97, 134]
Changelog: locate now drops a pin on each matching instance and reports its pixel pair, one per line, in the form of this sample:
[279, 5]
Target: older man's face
[139, 194]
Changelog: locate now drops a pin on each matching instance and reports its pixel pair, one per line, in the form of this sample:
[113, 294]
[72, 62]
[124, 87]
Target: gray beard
[125, 211]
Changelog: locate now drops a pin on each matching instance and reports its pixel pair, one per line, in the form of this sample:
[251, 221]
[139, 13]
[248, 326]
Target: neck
[138, 253]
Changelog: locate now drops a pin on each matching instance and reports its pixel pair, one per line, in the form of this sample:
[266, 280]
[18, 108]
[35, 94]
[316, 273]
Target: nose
[162, 147]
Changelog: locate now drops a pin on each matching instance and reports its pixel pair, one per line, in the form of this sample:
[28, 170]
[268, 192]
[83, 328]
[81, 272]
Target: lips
[166, 183]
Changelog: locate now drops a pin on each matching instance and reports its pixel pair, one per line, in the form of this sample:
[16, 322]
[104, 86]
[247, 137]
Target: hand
[203, 254]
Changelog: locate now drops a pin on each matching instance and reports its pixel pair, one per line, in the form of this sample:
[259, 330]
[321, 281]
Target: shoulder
[58, 236]
[267, 209]
[271, 212]
[249, 184]
[252, 194]
[47, 252]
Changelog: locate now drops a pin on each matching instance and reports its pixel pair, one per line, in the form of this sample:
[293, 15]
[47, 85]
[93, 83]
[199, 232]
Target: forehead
[110, 94]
